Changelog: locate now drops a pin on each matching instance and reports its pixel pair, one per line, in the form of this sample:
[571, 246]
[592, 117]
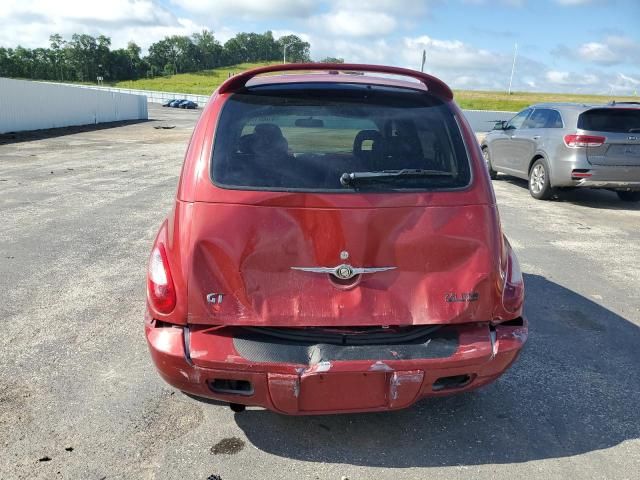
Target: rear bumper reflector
[579, 174]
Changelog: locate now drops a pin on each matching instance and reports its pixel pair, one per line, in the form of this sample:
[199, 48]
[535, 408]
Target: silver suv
[564, 145]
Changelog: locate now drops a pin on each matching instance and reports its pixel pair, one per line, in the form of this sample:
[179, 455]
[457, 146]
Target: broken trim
[187, 345]
[265, 348]
[372, 336]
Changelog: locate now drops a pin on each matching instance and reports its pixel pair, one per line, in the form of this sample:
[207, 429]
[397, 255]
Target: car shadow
[585, 197]
[574, 390]
[27, 136]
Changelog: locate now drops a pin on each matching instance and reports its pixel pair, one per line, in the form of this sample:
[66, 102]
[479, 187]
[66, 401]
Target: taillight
[160, 288]
[513, 294]
[575, 141]
[578, 173]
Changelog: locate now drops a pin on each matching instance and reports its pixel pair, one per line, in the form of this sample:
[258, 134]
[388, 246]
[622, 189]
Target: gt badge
[215, 298]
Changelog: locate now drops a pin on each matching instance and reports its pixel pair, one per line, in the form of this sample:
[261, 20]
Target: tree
[82, 54]
[176, 54]
[57, 55]
[103, 56]
[252, 47]
[84, 57]
[211, 52]
[298, 51]
[137, 66]
[332, 60]
[23, 62]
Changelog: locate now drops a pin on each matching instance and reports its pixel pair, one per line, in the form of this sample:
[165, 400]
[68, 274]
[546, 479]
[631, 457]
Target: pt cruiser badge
[343, 271]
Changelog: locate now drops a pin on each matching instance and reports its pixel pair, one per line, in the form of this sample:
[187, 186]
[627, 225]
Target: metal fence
[27, 105]
[480, 120]
[153, 96]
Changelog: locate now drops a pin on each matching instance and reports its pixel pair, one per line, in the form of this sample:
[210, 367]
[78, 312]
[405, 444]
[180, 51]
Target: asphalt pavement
[80, 399]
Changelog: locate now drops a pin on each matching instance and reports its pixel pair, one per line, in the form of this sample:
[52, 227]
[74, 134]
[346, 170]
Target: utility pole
[513, 67]
[424, 59]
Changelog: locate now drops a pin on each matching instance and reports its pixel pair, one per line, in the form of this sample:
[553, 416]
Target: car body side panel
[497, 143]
[510, 148]
[531, 142]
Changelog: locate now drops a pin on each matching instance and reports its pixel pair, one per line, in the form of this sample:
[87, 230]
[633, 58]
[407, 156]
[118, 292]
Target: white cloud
[621, 84]
[355, 24]
[395, 7]
[627, 80]
[452, 54]
[143, 12]
[284, 33]
[30, 22]
[612, 50]
[570, 78]
[459, 64]
[375, 31]
[509, 3]
[557, 77]
[597, 53]
[573, 3]
[249, 8]
[144, 36]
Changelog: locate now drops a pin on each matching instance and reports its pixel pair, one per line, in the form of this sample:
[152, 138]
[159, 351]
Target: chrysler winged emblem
[343, 271]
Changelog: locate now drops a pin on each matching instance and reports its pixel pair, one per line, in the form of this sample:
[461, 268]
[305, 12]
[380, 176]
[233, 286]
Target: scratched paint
[380, 366]
[397, 379]
[322, 367]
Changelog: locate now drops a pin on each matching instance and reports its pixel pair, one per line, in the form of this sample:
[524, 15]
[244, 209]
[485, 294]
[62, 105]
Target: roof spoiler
[434, 85]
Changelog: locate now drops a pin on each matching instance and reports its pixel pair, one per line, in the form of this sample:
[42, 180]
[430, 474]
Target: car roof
[582, 106]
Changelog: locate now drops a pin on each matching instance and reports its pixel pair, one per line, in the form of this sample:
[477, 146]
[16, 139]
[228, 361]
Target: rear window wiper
[348, 179]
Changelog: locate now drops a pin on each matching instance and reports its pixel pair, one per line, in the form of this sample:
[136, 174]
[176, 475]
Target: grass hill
[204, 82]
[201, 83]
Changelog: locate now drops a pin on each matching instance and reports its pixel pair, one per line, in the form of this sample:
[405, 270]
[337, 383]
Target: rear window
[615, 120]
[304, 137]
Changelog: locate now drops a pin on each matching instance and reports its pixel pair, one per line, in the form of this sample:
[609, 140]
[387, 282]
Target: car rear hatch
[267, 247]
[621, 129]
[442, 264]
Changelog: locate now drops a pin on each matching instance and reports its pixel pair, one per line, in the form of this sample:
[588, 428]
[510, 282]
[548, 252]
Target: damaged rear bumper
[230, 365]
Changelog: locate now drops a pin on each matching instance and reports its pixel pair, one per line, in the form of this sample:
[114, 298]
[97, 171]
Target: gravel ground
[80, 399]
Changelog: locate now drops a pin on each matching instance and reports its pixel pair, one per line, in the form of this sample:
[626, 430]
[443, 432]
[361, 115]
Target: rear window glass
[306, 137]
[610, 120]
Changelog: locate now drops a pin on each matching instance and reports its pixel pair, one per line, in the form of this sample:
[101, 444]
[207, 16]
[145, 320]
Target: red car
[334, 247]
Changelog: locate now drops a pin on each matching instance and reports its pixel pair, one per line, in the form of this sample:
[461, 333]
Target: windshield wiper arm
[347, 179]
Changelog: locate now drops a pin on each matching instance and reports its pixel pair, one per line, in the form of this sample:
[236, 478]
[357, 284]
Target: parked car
[334, 246]
[176, 103]
[565, 145]
[188, 104]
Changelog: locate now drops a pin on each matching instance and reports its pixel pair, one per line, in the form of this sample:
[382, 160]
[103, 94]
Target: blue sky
[563, 45]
